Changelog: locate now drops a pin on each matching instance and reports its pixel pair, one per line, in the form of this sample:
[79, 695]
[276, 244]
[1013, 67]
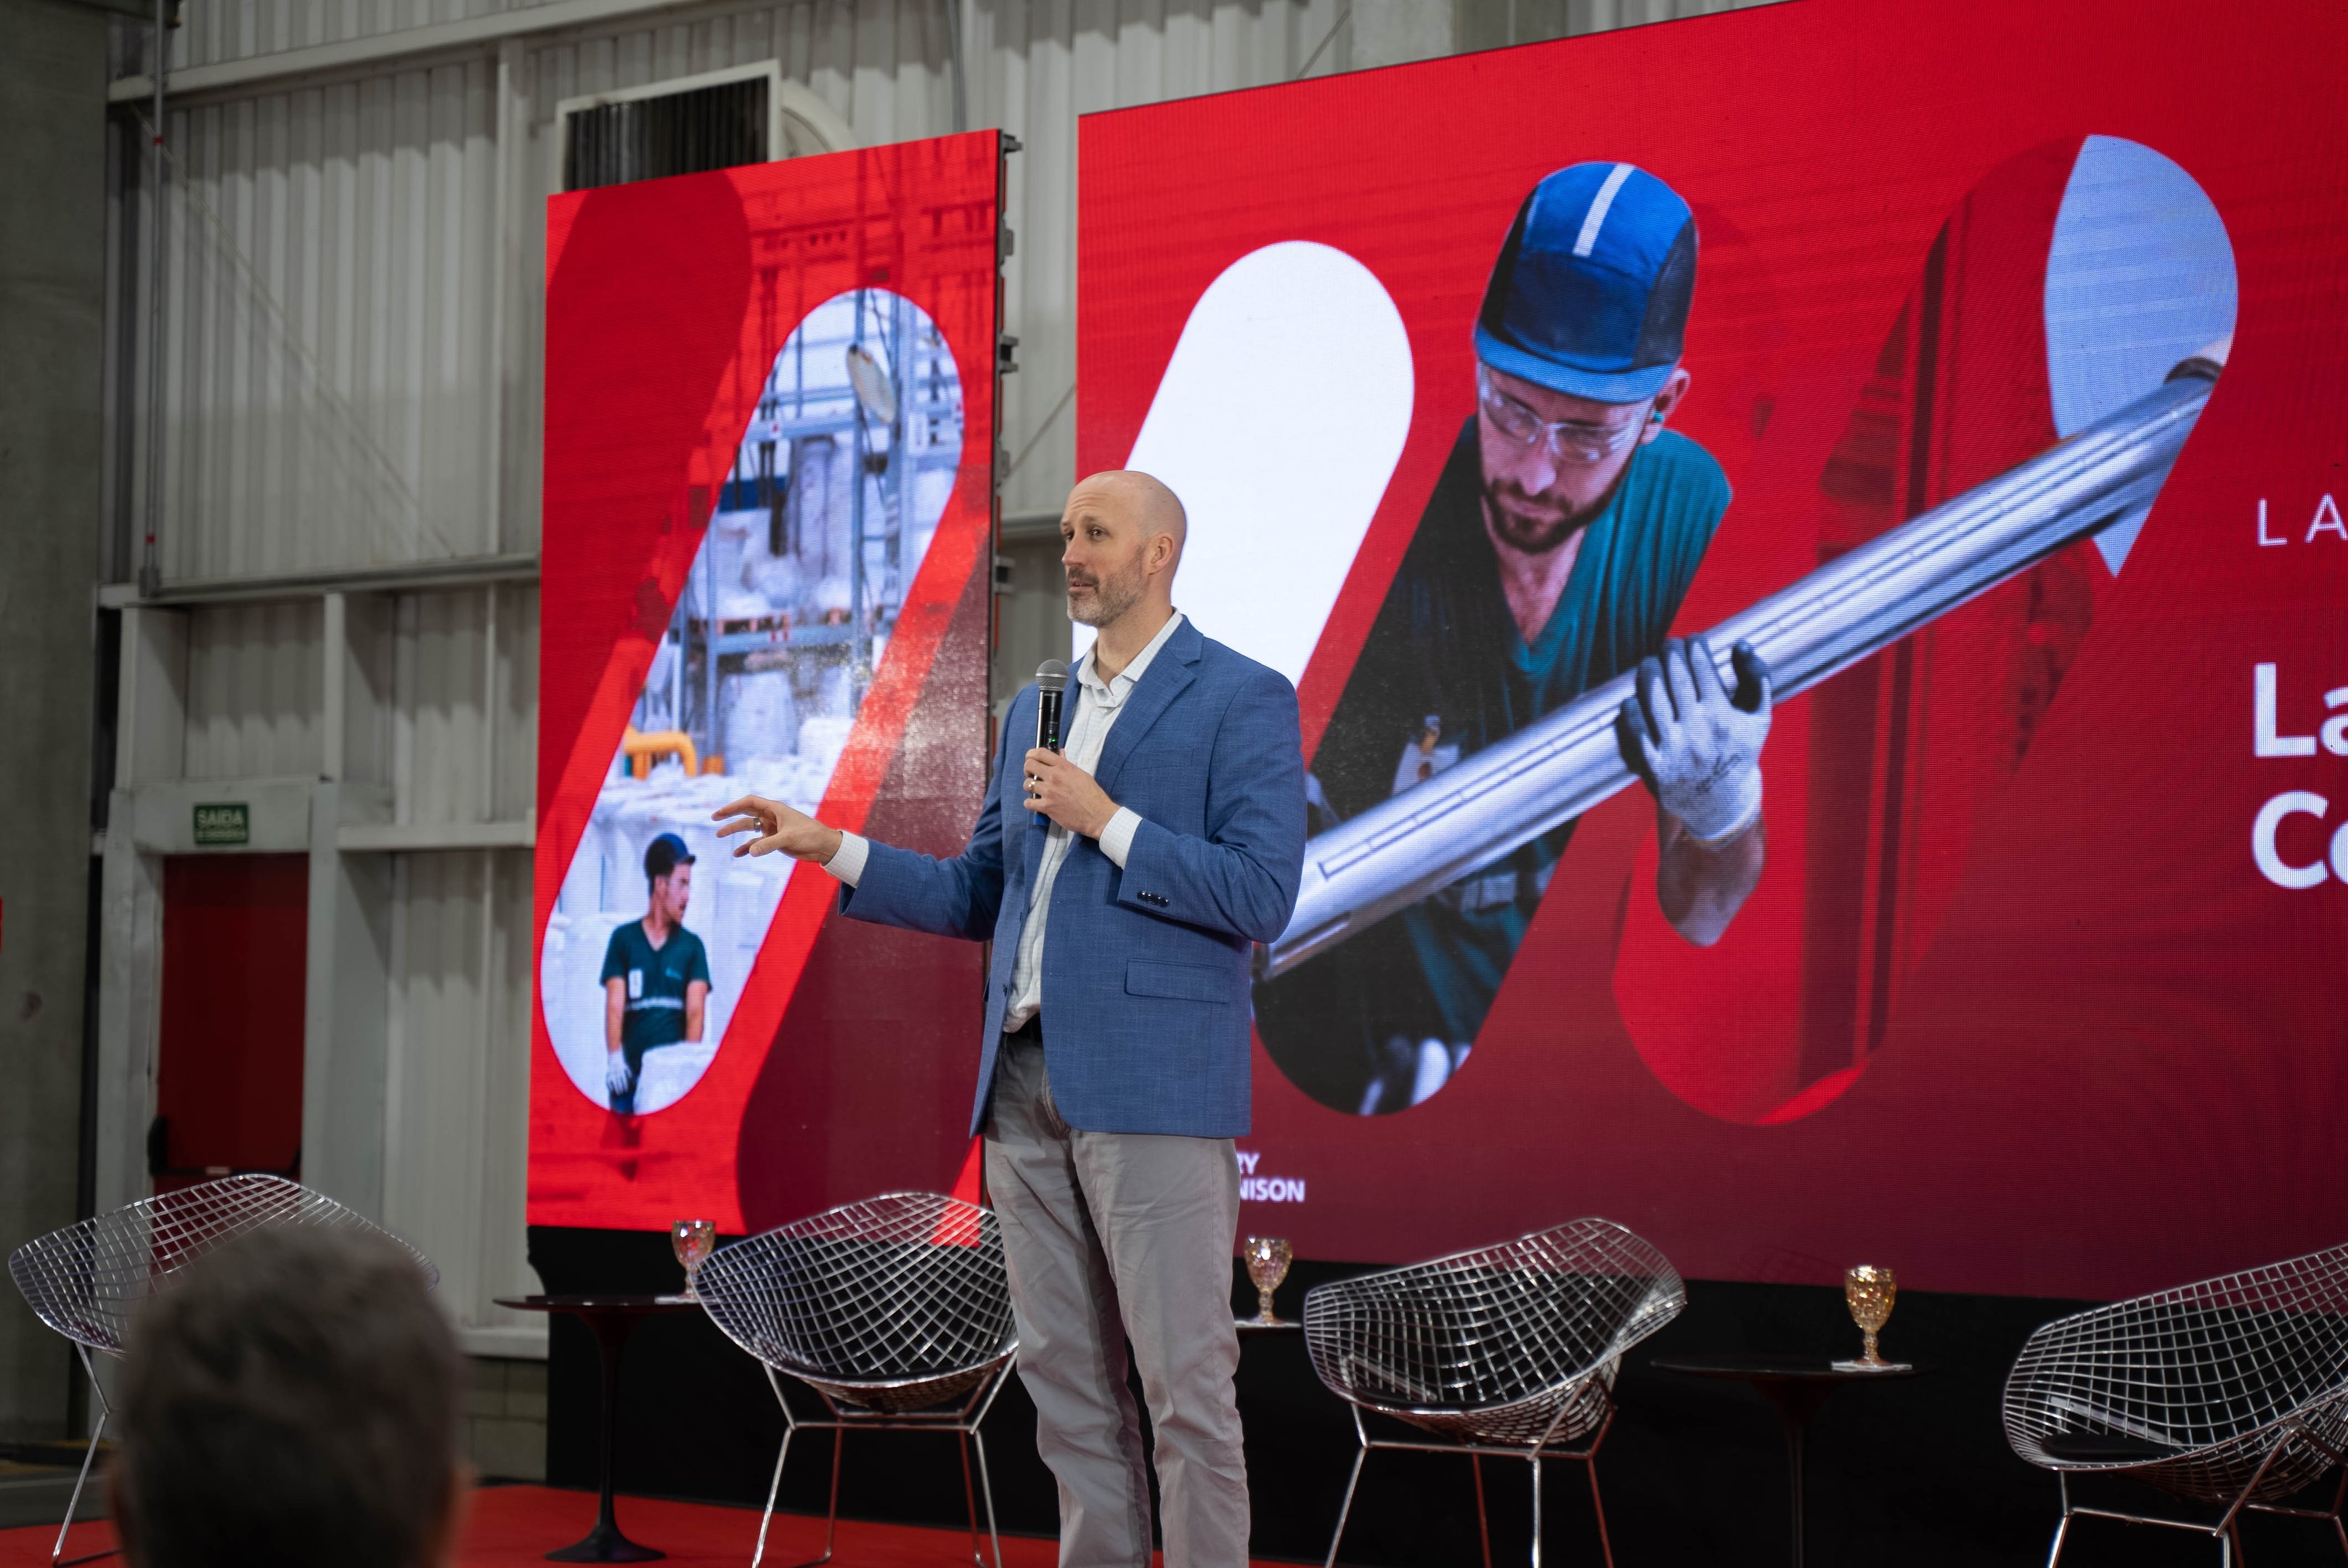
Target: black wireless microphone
[1051, 682]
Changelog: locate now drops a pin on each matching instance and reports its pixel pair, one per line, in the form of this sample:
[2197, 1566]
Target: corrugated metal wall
[463, 721]
[211, 33]
[327, 353]
[355, 284]
[253, 691]
[457, 1126]
[455, 743]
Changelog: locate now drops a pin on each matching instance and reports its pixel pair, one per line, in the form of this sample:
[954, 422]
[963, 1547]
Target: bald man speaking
[1123, 887]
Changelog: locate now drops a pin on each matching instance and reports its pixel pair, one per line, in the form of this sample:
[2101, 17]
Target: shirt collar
[1110, 693]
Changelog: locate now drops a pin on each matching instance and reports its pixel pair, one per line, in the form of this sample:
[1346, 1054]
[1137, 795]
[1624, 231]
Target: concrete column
[151, 745]
[52, 271]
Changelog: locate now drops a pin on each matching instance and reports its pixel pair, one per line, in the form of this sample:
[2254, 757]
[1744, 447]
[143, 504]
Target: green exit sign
[224, 823]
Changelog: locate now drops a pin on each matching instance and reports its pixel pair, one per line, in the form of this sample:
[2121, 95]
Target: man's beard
[1542, 529]
[1112, 596]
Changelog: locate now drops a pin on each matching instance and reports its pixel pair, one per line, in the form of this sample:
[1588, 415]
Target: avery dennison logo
[1255, 1189]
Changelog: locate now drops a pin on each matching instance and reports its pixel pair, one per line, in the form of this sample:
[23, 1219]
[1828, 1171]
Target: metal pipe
[1549, 773]
[954, 68]
[905, 381]
[860, 668]
[711, 630]
[150, 568]
[640, 746]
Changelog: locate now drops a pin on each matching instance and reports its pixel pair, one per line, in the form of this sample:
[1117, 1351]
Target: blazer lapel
[1167, 675]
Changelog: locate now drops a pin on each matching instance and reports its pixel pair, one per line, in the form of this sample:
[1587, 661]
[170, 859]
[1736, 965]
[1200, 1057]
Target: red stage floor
[514, 1526]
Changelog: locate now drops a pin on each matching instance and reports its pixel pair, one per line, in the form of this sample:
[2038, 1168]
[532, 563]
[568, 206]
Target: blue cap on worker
[664, 854]
[1591, 294]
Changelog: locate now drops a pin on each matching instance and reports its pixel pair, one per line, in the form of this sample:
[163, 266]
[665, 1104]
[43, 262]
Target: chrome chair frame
[89, 1279]
[896, 1311]
[2232, 1391]
[1508, 1351]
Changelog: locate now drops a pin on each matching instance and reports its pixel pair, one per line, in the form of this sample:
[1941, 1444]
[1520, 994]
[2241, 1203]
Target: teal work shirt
[657, 981]
[1445, 672]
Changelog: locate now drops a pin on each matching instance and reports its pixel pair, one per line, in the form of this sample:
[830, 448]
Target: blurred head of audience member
[292, 1400]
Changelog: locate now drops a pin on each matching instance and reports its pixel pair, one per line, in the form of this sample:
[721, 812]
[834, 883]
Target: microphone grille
[1052, 675]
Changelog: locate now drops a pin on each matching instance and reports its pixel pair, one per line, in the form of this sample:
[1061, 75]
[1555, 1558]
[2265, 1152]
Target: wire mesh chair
[2232, 1392]
[88, 1280]
[1509, 1351]
[895, 1310]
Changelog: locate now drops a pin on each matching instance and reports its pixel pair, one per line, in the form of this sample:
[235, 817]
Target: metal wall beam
[464, 571]
[405, 47]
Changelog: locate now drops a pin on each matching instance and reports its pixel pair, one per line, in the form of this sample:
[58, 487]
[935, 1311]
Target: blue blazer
[1147, 1007]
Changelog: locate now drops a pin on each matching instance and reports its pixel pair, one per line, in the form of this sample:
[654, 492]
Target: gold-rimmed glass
[692, 1241]
[1870, 1290]
[1268, 1258]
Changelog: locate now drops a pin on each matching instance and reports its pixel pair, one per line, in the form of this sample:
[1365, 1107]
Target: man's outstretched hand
[779, 828]
[1698, 745]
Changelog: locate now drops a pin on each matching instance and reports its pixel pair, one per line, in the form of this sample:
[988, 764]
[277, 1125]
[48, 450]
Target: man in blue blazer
[1123, 887]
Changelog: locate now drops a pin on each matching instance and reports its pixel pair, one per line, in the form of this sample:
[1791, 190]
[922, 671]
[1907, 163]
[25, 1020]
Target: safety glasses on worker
[1573, 440]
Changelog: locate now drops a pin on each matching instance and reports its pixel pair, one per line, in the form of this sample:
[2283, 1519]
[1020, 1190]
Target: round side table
[611, 1317]
[1797, 1386]
[1247, 1326]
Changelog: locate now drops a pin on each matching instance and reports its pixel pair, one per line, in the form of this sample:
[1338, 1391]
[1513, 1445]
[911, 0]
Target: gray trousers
[1110, 1236]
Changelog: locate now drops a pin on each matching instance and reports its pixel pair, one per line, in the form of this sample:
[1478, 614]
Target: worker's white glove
[1697, 746]
[617, 1079]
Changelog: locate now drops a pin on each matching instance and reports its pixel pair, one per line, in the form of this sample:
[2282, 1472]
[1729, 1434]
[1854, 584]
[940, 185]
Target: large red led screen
[769, 438]
[2006, 423]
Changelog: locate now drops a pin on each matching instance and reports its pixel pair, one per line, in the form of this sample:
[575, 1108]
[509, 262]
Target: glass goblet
[1869, 1291]
[693, 1240]
[1268, 1258]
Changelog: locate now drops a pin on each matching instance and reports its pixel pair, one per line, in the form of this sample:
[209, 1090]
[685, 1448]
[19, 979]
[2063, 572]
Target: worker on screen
[656, 974]
[1552, 556]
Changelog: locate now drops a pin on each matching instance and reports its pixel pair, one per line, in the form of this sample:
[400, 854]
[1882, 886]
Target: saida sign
[221, 824]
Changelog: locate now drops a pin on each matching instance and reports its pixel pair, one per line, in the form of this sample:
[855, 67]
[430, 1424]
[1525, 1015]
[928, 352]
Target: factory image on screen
[787, 614]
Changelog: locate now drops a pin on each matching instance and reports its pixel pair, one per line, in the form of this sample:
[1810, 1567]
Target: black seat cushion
[2105, 1447]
